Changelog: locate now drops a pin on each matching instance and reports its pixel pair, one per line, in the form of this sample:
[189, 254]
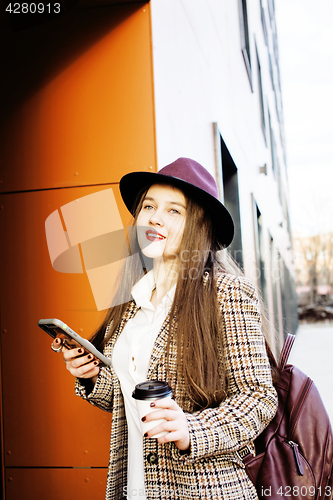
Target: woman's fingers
[79, 364]
[170, 426]
[71, 354]
[165, 408]
[165, 403]
[177, 433]
[162, 413]
[175, 423]
[80, 360]
[56, 345]
[89, 370]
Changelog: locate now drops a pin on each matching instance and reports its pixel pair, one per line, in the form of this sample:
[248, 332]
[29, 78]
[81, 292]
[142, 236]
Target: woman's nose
[156, 218]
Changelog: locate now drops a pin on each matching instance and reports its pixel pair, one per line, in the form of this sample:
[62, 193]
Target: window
[231, 200]
[227, 180]
[277, 170]
[271, 70]
[245, 39]
[289, 298]
[260, 249]
[271, 10]
[263, 22]
[273, 147]
[261, 97]
[275, 276]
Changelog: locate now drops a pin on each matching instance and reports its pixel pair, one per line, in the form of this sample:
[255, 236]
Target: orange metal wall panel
[87, 116]
[45, 423]
[78, 113]
[55, 484]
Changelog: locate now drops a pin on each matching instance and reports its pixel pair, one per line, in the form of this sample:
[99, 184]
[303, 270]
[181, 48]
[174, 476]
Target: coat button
[152, 458]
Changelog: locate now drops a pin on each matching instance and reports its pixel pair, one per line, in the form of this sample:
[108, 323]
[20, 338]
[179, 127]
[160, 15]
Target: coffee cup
[144, 394]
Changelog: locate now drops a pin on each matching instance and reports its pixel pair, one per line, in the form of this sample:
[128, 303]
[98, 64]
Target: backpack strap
[288, 343]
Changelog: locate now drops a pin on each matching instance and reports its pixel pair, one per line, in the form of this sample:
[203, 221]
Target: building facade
[88, 94]
[218, 100]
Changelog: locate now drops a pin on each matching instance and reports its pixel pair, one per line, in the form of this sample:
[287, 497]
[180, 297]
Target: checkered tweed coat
[213, 469]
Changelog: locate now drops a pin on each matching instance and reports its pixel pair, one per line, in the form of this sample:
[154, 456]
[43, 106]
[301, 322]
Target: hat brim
[131, 184]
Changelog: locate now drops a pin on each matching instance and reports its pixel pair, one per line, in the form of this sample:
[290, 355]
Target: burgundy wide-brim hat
[191, 178]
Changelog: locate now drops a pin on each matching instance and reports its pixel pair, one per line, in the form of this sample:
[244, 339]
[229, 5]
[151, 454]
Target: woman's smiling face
[161, 222]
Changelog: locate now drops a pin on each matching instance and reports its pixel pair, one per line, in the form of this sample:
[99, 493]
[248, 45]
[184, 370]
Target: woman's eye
[174, 211]
[147, 207]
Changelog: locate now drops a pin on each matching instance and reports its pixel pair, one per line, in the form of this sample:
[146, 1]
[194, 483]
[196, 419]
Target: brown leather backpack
[294, 454]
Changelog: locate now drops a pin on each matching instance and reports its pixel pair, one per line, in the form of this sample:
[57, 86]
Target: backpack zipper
[294, 415]
[297, 457]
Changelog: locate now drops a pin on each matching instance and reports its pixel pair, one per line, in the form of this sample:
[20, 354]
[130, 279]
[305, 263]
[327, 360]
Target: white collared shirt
[130, 361]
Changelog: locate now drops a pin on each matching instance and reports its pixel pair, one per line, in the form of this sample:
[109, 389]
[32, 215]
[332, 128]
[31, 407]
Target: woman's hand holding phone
[79, 363]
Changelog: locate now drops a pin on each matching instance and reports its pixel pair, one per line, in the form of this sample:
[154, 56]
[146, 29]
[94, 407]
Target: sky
[305, 38]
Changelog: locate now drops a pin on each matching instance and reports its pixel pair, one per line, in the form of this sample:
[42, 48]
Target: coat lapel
[159, 346]
[129, 313]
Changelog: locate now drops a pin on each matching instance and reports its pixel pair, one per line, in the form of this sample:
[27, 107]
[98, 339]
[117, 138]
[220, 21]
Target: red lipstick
[152, 235]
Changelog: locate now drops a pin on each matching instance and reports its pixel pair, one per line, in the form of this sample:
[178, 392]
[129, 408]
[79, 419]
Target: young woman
[191, 323]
